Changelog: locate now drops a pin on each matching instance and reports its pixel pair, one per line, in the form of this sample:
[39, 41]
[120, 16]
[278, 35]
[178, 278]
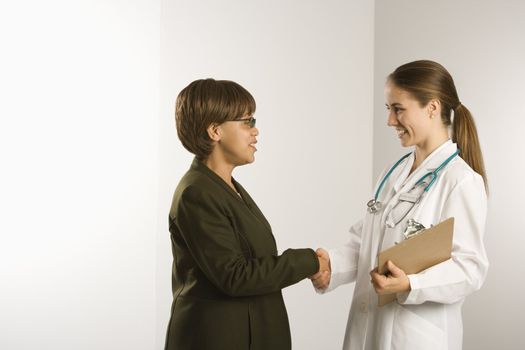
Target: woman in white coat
[424, 109]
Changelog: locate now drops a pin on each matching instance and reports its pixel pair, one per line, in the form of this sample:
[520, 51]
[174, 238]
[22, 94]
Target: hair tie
[459, 105]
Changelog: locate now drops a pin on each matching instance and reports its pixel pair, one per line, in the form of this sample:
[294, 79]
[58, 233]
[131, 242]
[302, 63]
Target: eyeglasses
[247, 121]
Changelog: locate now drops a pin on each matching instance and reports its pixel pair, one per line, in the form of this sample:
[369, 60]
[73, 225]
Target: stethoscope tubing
[380, 187]
[434, 174]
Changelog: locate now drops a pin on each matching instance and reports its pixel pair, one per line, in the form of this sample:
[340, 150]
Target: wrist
[406, 285]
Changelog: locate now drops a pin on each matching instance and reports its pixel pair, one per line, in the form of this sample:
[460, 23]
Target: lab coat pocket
[411, 331]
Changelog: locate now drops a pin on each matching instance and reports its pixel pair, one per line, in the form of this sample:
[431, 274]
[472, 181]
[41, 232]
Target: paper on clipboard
[430, 247]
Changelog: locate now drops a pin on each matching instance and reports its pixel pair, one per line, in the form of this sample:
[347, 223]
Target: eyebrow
[395, 104]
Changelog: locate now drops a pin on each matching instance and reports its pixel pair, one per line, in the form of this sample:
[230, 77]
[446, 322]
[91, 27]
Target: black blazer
[227, 276]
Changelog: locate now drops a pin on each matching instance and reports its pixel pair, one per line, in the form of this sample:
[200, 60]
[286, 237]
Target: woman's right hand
[321, 279]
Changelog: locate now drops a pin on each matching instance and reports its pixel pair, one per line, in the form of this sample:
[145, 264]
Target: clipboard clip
[413, 229]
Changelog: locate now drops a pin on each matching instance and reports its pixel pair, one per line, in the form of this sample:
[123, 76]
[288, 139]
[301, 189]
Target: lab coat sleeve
[465, 272]
[343, 260]
[215, 247]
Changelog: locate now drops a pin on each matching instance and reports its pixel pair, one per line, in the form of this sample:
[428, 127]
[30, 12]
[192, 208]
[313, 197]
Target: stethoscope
[374, 205]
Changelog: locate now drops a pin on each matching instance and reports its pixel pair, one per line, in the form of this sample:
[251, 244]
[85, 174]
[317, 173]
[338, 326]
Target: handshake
[321, 279]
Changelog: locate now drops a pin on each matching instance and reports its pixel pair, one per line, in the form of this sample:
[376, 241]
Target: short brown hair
[205, 102]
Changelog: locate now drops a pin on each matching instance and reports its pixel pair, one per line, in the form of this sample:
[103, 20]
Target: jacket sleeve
[343, 260]
[465, 272]
[215, 247]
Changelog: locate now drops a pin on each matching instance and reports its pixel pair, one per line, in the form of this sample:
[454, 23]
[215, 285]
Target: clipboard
[428, 248]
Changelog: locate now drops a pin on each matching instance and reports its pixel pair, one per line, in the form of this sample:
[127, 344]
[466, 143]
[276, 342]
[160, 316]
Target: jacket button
[363, 307]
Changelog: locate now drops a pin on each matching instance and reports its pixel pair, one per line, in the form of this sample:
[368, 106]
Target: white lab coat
[429, 316]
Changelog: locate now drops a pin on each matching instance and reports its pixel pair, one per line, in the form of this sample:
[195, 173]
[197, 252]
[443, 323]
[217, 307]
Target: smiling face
[415, 125]
[237, 141]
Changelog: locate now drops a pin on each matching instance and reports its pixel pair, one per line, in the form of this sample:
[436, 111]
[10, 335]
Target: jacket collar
[244, 197]
[431, 163]
[203, 168]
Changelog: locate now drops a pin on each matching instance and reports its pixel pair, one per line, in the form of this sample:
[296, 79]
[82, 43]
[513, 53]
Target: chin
[251, 157]
[407, 143]
[246, 161]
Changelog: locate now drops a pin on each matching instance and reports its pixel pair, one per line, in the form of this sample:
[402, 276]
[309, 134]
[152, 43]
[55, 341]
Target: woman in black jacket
[227, 275]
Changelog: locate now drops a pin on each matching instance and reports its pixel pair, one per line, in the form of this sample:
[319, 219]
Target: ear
[214, 132]
[434, 108]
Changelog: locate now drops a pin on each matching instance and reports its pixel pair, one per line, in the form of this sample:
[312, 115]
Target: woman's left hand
[395, 282]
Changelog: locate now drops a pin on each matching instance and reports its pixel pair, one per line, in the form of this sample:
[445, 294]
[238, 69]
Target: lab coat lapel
[434, 160]
[403, 174]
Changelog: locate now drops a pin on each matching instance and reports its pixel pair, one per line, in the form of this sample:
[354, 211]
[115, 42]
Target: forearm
[447, 283]
[245, 277]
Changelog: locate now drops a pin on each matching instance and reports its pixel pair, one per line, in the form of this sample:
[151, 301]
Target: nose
[392, 119]
[255, 131]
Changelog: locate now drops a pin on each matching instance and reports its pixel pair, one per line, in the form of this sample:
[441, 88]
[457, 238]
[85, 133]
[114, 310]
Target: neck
[422, 151]
[219, 166]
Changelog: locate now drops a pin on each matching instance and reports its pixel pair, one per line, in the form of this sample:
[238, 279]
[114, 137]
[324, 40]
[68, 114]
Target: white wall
[309, 66]
[481, 44]
[78, 141]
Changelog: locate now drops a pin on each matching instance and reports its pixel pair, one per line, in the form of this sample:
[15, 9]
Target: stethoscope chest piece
[374, 206]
